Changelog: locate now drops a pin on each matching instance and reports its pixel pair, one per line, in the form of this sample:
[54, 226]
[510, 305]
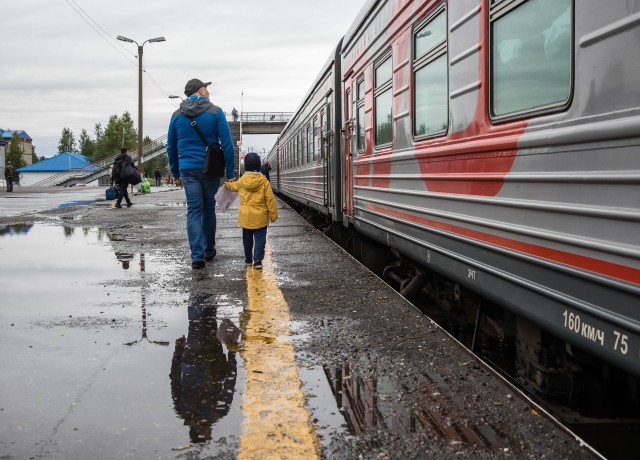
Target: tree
[67, 141]
[34, 157]
[14, 152]
[119, 132]
[87, 145]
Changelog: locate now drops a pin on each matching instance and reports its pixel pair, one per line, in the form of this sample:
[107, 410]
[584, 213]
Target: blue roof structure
[7, 133]
[60, 163]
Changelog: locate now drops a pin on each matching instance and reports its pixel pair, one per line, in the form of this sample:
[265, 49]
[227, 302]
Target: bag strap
[197, 128]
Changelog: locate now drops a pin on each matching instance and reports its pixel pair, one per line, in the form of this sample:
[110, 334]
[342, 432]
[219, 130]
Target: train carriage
[496, 143]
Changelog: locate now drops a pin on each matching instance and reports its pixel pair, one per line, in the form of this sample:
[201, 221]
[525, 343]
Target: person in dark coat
[117, 177]
[158, 175]
[8, 176]
[266, 167]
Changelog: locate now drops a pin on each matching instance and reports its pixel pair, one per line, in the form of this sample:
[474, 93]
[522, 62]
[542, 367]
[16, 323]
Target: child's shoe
[257, 265]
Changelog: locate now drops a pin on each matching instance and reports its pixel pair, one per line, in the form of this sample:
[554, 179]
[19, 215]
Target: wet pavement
[25, 200]
[112, 347]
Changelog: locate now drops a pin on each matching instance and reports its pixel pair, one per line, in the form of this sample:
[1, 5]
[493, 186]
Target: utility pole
[140, 137]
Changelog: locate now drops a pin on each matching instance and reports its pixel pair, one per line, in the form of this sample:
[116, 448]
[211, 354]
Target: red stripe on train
[601, 267]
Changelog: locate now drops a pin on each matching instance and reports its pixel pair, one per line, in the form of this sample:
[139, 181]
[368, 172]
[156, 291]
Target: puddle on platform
[369, 403]
[179, 204]
[70, 204]
[99, 360]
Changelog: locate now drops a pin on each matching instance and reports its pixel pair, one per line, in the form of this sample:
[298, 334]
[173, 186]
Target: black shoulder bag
[214, 161]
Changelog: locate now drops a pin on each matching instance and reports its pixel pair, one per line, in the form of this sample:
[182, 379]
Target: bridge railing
[262, 117]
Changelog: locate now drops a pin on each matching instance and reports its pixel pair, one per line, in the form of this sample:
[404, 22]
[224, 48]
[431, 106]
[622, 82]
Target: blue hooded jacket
[185, 149]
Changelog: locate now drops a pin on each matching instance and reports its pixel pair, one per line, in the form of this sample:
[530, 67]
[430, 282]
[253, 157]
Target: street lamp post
[151, 40]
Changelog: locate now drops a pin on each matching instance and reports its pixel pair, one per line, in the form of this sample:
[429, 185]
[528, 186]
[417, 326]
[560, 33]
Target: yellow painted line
[276, 424]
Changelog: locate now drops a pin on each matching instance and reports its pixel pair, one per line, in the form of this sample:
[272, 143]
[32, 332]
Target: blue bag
[112, 193]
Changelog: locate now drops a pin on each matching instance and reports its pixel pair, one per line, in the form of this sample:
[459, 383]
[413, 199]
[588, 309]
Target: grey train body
[525, 188]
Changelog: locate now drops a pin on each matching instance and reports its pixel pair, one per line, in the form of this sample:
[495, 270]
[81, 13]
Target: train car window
[431, 101]
[315, 139]
[303, 145]
[309, 144]
[323, 132]
[531, 46]
[383, 104]
[360, 114]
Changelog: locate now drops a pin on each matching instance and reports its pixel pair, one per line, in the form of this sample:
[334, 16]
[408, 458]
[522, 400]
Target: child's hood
[252, 181]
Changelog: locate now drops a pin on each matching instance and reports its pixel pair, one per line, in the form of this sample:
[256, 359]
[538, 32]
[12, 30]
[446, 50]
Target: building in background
[25, 142]
[64, 166]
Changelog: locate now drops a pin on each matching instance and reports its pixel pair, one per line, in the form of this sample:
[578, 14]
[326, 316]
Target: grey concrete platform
[112, 346]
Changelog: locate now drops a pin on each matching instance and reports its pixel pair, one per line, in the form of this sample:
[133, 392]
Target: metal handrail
[99, 165]
[262, 117]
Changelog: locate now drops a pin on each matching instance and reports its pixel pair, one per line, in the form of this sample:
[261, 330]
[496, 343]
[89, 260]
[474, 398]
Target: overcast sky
[62, 67]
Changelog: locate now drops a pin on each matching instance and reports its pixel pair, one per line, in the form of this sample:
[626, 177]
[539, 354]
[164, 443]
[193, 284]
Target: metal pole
[240, 140]
[140, 108]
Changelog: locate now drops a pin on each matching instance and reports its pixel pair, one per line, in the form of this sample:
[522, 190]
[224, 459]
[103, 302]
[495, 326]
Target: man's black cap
[193, 86]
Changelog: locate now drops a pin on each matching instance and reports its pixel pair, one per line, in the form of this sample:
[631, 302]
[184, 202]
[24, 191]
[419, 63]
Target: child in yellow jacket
[257, 208]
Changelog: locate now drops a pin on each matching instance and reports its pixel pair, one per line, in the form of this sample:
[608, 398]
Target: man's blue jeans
[200, 190]
[248, 236]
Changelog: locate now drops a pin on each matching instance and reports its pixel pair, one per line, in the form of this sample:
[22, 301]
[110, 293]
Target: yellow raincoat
[257, 203]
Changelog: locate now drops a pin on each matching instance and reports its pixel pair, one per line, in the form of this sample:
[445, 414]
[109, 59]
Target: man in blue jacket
[187, 153]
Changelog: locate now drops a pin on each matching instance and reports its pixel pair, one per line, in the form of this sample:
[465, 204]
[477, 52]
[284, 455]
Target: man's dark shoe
[129, 205]
[210, 258]
[118, 206]
[198, 264]
[257, 265]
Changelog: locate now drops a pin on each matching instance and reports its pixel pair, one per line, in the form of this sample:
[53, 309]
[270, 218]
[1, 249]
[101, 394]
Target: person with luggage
[118, 177]
[195, 126]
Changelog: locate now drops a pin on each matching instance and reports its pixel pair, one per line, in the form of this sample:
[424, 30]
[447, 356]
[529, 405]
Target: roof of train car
[358, 22]
[355, 26]
[319, 77]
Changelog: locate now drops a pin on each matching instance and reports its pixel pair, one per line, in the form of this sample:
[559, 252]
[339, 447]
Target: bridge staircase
[102, 167]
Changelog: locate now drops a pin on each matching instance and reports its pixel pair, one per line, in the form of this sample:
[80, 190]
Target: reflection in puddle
[369, 403]
[17, 229]
[70, 204]
[203, 376]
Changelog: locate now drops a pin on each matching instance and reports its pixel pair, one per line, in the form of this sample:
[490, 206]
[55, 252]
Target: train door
[347, 181]
[323, 155]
